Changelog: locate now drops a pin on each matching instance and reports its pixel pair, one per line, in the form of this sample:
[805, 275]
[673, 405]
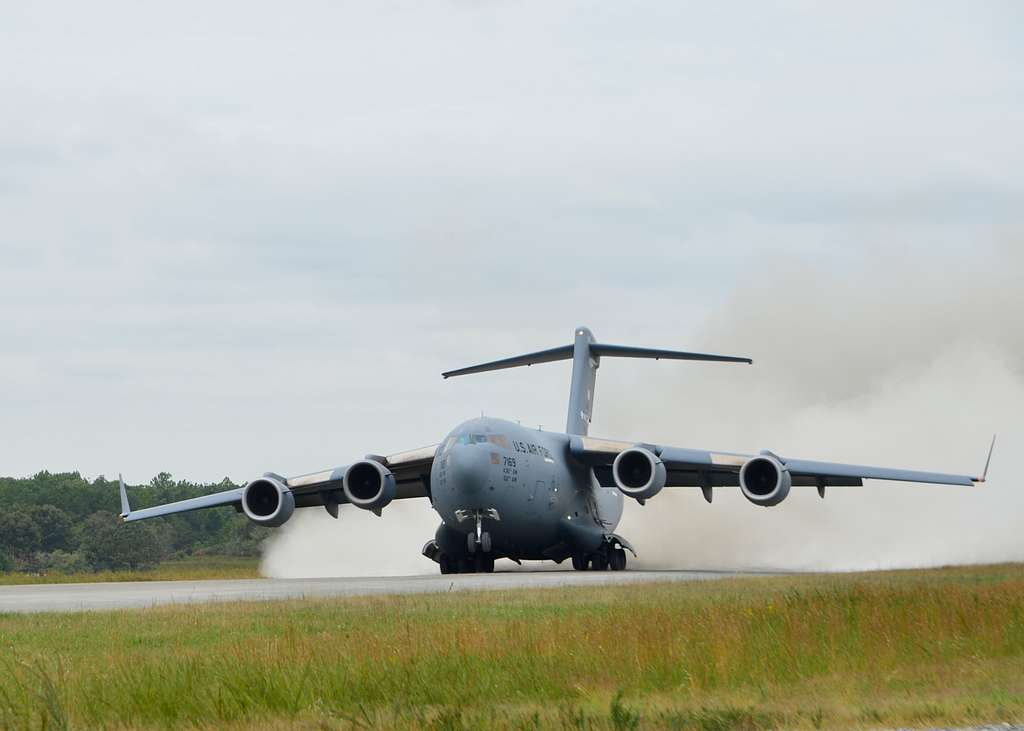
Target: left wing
[707, 470]
[410, 471]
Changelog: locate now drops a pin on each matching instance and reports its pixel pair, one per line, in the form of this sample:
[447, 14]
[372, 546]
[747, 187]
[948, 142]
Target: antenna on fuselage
[585, 355]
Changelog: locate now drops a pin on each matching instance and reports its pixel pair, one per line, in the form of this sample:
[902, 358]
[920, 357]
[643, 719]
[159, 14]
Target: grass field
[189, 569]
[923, 648]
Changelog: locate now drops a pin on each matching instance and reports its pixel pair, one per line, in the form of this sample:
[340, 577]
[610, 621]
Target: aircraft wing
[411, 470]
[706, 469]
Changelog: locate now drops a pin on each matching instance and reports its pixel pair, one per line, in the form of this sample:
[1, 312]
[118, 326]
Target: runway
[137, 594]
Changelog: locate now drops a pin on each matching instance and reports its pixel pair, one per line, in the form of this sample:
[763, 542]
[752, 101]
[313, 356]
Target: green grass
[852, 651]
[187, 569]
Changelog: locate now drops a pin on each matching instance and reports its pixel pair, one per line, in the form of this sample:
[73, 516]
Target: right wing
[706, 469]
[411, 470]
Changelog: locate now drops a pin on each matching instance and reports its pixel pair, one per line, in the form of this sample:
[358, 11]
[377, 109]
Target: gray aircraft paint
[584, 380]
[532, 494]
[544, 504]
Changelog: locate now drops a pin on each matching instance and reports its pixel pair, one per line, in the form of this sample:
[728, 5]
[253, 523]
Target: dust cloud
[358, 543]
[889, 362]
[894, 363]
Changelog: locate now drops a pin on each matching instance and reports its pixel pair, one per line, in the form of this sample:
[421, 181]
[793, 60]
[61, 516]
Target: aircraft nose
[467, 469]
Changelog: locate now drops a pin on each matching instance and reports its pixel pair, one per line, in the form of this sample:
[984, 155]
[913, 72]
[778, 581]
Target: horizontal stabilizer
[542, 356]
[565, 352]
[627, 351]
[585, 354]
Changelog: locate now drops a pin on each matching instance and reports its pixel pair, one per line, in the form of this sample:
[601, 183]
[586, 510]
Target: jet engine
[765, 481]
[268, 502]
[639, 473]
[369, 485]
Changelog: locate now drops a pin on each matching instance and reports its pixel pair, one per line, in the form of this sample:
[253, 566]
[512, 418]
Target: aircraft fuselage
[523, 488]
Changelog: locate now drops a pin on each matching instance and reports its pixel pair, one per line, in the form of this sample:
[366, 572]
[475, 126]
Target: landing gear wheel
[466, 566]
[599, 562]
[471, 542]
[579, 562]
[485, 542]
[484, 564]
[617, 559]
[448, 566]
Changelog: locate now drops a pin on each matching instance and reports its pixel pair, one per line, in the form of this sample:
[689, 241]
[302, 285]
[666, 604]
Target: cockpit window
[477, 439]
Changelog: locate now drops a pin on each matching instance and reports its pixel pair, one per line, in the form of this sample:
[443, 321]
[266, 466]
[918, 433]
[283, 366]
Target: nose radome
[467, 469]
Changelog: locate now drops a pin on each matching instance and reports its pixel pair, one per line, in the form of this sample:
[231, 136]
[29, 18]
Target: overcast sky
[239, 237]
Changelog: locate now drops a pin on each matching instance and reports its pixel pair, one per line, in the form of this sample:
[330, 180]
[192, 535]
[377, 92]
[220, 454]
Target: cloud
[236, 241]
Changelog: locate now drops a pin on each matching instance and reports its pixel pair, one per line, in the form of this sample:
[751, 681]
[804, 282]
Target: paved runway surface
[120, 595]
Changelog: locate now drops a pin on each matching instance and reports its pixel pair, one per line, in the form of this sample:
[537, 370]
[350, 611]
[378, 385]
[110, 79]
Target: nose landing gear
[456, 552]
[479, 558]
[479, 563]
[479, 541]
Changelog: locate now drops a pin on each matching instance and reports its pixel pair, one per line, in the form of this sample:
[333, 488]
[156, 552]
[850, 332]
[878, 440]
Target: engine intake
[765, 481]
[268, 502]
[639, 473]
[369, 485]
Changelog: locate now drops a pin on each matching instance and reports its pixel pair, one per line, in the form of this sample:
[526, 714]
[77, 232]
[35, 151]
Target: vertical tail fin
[585, 363]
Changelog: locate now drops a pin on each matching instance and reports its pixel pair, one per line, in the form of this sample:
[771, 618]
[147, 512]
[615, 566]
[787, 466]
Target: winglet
[984, 475]
[125, 507]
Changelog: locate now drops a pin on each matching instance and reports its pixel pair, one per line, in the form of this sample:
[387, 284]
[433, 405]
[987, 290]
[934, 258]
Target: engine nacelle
[268, 502]
[369, 485]
[765, 481]
[639, 473]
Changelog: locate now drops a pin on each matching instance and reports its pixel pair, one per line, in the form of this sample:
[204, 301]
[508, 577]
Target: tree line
[63, 522]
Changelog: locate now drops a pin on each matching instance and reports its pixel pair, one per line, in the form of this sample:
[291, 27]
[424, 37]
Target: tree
[20, 536]
[163, 481]
[41, 496]
[54, 527]
[108, 544]
[61, 562]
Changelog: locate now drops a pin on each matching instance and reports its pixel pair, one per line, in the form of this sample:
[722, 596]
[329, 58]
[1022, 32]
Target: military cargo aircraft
[507, 491]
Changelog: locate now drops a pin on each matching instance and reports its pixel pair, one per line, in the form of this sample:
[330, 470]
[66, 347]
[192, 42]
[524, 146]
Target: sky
[235, 239]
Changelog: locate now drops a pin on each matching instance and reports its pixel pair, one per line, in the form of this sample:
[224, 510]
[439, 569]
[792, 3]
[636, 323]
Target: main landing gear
[604, 558]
